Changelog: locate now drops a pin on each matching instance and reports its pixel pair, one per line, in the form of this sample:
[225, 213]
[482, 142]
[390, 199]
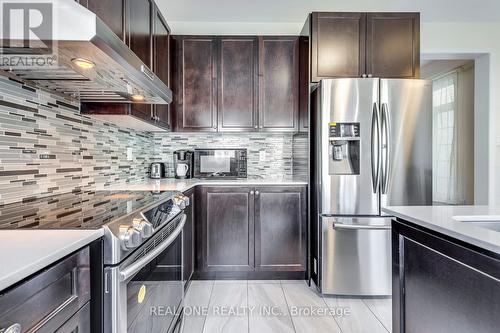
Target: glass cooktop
[76, 210]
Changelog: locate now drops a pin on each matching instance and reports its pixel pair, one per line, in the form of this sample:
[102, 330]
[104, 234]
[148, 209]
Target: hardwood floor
[279, 306]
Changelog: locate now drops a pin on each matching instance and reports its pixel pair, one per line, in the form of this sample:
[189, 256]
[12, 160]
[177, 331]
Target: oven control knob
[179, 201]
[144, 227]
[186, 200]
[182, 201]
[130, 237]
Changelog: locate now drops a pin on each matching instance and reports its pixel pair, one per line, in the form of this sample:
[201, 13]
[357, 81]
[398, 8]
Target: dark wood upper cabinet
[393, 45]
[303, 84]
[111, 12]
[139, 27]
[278, 86]
[148, 36]
[194, 83]
[337, 45]
[161, 63]
[238, 84]
[280, 228]
[227, 221]
[352, 45]
[235, 83]
[161, 47]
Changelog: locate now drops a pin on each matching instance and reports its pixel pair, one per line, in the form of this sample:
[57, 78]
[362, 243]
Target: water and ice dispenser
[343, 148]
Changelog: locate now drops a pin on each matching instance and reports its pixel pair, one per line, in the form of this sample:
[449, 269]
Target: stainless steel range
[143, 286]
[142, 250]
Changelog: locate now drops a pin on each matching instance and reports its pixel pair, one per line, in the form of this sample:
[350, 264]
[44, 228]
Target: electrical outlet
[262, 156]
[130, 154]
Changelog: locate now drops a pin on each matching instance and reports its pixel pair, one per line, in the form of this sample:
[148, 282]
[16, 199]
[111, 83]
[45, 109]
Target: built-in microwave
[220, 163]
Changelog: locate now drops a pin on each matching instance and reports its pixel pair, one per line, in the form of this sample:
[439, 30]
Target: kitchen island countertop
[446, 220]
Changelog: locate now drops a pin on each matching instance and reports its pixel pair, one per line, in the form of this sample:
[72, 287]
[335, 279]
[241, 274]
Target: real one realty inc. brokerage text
[264, 311]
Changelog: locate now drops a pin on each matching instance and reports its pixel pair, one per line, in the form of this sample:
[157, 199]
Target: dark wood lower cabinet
[55, 299]
[251, 232]
[280, 228]
[227, 228]
[189, 240]
[441, 284]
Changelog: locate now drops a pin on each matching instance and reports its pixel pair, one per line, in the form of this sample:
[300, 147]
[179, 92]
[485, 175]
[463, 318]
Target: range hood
[114, 74]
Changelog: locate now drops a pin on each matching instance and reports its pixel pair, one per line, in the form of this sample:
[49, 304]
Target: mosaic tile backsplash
[269, 155]
[47, 147]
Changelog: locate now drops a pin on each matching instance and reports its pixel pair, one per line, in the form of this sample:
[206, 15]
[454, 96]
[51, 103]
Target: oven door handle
[131, 270]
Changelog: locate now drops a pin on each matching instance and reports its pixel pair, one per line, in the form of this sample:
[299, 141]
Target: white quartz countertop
[447, 220]
[182, 185]
[24, 252]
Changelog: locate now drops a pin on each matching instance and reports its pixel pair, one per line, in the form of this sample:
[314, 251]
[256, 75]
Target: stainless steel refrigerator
[372, 148]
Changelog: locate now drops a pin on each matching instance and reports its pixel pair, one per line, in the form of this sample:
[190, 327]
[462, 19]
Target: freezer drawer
[356, 256]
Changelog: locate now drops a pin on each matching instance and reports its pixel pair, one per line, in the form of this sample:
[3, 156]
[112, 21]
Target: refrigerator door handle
[386, 148]
[375, 148]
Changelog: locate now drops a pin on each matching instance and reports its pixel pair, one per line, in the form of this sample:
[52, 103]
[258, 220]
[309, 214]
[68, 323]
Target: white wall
[479, 41]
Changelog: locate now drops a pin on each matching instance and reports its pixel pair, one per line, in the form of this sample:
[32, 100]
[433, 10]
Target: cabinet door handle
[256, 192]
[251, 192]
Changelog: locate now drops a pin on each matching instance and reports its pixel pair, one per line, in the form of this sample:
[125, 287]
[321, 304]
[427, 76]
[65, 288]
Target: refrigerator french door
[375, 150]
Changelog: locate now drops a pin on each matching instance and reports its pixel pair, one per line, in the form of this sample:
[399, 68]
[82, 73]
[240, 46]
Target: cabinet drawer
[46, 301]
[79, 323]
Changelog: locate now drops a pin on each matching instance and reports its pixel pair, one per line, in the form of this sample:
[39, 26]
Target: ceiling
[200, 15]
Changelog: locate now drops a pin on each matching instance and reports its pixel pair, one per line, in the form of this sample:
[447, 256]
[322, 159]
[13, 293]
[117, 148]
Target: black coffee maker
[183, 164]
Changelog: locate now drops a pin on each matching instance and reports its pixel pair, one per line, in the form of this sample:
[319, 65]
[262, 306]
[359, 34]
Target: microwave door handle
[135, 267]
[386, 148]
[375, 148]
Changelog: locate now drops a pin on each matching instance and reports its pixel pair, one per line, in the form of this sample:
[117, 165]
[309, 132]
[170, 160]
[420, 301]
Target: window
[444, 108]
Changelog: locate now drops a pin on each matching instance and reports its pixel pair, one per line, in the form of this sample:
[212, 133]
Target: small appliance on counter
[157, 170]
[220, 163]
[183, 164]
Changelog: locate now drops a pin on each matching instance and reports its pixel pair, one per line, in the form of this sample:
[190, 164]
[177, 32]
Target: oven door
[145, 293]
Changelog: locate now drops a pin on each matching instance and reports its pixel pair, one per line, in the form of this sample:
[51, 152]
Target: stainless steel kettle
[157, 170]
